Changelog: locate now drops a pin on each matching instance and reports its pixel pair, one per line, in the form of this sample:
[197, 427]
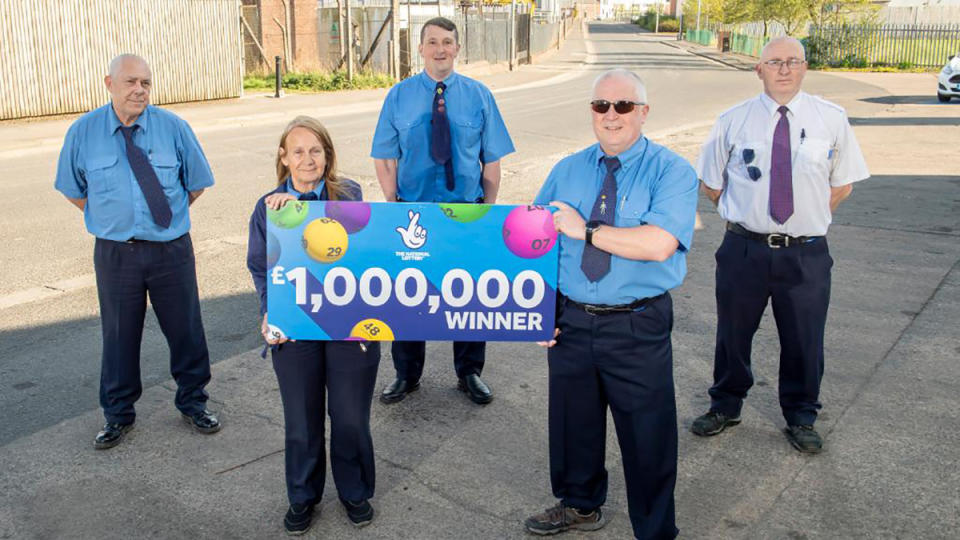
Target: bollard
[276, 81]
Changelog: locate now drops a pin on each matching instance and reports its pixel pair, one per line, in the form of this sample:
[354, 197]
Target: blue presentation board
[342, 270]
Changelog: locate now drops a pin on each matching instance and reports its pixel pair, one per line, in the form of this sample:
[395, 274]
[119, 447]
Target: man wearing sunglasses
[626, 211]
[440, 138]
[776, 166]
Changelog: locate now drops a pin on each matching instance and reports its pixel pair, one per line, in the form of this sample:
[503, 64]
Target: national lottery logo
[414, 235]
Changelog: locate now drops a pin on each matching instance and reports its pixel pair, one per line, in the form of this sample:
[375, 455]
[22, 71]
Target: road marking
[69, 285]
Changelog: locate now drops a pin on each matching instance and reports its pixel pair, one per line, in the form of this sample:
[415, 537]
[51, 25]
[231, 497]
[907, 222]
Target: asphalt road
[889, 393]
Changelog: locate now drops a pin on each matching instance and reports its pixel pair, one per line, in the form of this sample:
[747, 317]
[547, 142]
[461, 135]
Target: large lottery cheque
[406, 271]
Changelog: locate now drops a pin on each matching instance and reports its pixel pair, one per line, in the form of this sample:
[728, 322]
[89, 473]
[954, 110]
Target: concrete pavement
[450, 469]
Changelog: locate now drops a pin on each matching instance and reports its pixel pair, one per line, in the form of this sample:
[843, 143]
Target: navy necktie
[596, 262]
[308, 196]
[781, 171]
[440, 134]
[147, 178]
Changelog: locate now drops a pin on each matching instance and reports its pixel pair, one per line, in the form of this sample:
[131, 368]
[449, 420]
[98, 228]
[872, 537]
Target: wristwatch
[592, 227]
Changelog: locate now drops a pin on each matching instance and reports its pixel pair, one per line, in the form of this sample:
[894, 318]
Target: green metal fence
[703, 37]
[917, 45]
[747, 44]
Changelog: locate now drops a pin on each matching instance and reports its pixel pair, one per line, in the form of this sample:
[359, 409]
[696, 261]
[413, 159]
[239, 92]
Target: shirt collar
[771, 106]
[293, 191]
[627, 157]
[115, 124]
[431, 84]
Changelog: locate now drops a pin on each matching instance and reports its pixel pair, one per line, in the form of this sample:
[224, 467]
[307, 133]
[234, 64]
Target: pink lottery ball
[528, 231]
[353, 215]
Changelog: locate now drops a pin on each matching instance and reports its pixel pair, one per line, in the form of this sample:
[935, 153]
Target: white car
[948, 83]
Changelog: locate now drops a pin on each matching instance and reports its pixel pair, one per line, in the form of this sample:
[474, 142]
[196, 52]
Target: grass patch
[320, 81]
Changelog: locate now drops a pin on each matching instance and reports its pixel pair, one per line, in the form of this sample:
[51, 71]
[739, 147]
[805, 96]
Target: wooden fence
[915, 45]
[55, 53]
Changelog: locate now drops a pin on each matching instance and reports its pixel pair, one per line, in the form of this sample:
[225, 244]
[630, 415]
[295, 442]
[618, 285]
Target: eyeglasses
[601, 106]
[792, 63]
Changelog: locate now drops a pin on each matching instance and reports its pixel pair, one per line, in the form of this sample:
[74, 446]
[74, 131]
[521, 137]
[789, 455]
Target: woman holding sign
[309, 370]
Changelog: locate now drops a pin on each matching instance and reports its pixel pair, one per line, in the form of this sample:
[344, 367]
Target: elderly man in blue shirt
[440, 139]
[133, 170]
[626, 216]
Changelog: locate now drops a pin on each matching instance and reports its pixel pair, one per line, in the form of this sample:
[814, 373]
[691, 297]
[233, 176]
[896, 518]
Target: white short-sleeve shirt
[736, 159]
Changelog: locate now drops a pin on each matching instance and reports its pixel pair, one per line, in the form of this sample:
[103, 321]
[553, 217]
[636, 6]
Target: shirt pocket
[101, 173]
[167, 167]
[467, 129]
[745, 161]
[813, 158]
[412, 132]
[630, 211]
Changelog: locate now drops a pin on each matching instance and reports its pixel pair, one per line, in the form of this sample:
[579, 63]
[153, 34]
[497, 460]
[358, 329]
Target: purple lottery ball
[528, 231]
[353, 215]
[273, 250]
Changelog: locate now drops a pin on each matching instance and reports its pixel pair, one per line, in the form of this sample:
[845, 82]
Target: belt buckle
[591, 309]
[772, 241]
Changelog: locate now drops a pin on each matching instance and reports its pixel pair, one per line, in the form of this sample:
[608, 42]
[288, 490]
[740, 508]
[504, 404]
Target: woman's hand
[270, 337]
[277, 200]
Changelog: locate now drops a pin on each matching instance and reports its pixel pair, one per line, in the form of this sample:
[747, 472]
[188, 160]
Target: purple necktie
[440, 134]
[595, 263]
[147, 179]
[781, 171]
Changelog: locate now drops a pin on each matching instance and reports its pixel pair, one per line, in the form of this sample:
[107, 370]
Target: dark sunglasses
[601, 106]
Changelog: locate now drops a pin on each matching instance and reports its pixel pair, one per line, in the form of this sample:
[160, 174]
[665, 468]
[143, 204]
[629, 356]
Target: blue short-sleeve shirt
[655, 187]
[478, 136]
[93, 166]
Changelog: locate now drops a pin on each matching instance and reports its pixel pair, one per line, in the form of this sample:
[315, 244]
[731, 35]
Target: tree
[791, 14]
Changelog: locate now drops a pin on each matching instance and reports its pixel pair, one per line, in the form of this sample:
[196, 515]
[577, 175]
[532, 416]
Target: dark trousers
[408, 358]
[126, 274]
[624, 361]
[797, 280]
[341, 375]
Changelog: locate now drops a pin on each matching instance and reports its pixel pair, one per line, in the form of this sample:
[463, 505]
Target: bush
[649, 21]
[320, 81]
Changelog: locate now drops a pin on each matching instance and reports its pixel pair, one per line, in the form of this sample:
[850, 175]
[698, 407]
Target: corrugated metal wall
[55, 53]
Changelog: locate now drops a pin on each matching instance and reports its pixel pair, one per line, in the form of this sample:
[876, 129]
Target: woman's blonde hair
[334, 187]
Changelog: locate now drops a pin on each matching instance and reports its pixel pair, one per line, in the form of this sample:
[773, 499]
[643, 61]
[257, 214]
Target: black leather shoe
[360, 512]
[476, 389]
[203, 421]
[712, 423]
[805, 439]
[298, 519]
[111, 435]
[398, 390]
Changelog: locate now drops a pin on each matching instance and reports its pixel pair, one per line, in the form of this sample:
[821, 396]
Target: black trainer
[298, 519]
[805, 439]
[559, 518]
[712, 423]
[359, 512]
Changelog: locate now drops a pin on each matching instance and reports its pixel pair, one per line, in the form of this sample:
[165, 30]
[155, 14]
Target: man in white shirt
[777, 166]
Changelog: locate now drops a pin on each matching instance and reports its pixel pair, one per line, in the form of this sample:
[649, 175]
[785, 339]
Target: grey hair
[784, 39]
[623, 74]
[120, 59]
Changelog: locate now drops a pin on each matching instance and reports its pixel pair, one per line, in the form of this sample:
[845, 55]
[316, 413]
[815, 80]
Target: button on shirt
[824, 154]
[478, 136]
[93, 166]
[654, 187]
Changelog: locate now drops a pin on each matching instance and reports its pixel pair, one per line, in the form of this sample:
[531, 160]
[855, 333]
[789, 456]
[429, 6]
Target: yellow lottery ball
[372, 330]
[325, 240]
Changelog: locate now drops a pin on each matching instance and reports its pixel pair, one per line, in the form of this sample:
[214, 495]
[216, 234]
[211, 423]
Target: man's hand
[568, 221]
[712, 194]
[552, 342]
[277, 200]
[414, 236]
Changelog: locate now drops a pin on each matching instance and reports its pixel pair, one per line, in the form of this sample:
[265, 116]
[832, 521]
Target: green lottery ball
[290, 215]
[464, 212]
